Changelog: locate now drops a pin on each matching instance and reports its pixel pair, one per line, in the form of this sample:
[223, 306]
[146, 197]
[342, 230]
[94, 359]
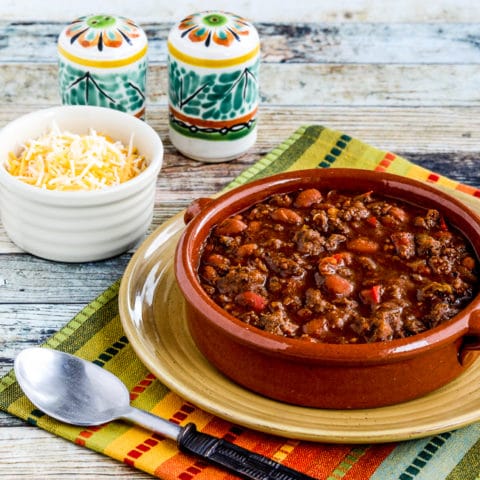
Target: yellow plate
[152, 314]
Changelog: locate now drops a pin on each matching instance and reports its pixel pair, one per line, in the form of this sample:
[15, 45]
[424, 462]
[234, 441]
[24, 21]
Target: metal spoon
[79, 392]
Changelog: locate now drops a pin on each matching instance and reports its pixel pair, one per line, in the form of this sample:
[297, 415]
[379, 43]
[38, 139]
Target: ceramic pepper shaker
[213, 64]
[103, 62]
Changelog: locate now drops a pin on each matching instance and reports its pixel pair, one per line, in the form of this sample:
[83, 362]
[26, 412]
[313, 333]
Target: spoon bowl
[69, 389]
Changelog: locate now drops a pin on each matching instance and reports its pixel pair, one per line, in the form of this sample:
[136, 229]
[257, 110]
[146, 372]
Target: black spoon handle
[238, 460]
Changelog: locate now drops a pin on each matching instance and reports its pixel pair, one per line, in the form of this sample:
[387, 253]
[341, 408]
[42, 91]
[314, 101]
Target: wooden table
[411, 88]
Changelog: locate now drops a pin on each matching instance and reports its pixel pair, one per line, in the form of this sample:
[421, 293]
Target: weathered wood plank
[370, 85]
[377, 43]
[30, 280]
[8, 421]
[312, 11]
[27, 325]
[44, 451]
[450, 139]
[302, 84]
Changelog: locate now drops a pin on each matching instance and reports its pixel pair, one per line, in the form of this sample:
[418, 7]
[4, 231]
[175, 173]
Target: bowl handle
[471, 342]
[195, 208]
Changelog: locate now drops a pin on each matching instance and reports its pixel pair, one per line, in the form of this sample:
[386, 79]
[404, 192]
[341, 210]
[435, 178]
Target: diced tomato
[372, 295]
[376, 293]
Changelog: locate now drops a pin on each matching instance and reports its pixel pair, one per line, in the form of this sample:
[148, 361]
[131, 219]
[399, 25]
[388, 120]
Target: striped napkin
[96, 334]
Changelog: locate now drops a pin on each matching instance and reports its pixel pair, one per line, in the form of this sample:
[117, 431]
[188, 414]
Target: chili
[338, 267]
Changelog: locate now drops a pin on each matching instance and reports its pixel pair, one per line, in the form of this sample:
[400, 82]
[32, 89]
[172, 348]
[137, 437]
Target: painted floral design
[213, 106]
[122, 91]
[102, 31]
[217, 27]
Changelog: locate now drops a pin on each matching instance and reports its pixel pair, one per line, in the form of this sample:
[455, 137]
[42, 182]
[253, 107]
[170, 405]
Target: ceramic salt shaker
[213, 64]
[103, 62]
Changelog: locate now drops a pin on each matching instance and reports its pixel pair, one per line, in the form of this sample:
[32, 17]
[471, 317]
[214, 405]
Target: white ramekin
[79, 226]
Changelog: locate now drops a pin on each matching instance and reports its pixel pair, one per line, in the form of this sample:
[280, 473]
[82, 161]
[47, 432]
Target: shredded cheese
[67, 161]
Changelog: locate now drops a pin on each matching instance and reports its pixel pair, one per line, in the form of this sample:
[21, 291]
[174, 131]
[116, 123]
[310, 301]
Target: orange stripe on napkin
[385, 162]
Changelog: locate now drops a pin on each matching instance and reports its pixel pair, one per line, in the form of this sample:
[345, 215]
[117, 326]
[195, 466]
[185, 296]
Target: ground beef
[338, 267]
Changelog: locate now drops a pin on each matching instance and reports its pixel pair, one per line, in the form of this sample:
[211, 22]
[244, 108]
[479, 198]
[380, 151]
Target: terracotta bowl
[316, 374]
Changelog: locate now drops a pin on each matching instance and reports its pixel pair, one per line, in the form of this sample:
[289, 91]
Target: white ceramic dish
[79, 226]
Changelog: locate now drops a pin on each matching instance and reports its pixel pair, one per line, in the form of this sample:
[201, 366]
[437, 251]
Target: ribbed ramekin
[79, 226]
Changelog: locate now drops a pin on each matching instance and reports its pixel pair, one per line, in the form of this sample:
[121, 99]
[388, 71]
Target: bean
[286, 215]
[247, 250]
[338, 285]
[251, 300]
[209, 274]
[307, 198]
[231, 226]
[255, 226]
[363, 245]
[218, 261]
